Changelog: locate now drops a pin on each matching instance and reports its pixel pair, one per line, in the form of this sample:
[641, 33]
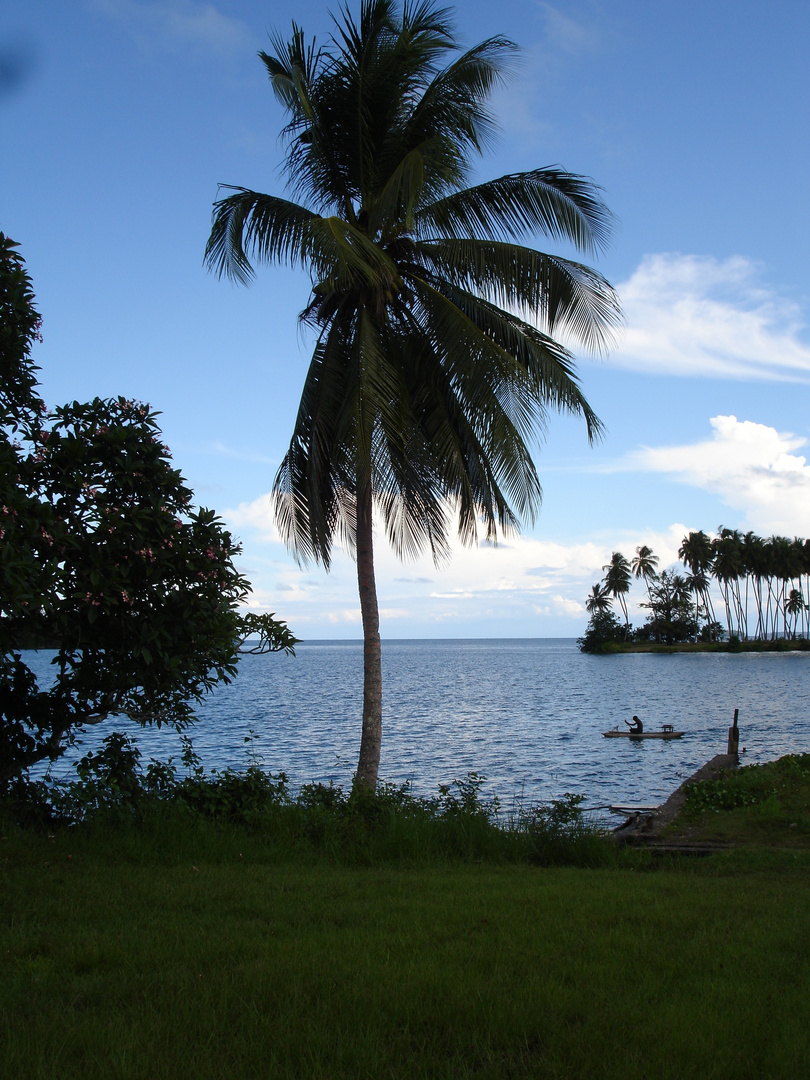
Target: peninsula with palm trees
[762, 585]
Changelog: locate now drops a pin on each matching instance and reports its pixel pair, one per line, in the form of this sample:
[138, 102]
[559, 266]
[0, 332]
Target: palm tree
[727, 549]
[698, 584]
[617, 583]
[785, 568]
[598, 600]
[436, 360]
[755, 562]
[794, 606]
[769, 561]
[644, 565]
[805, 564]
[696, 553]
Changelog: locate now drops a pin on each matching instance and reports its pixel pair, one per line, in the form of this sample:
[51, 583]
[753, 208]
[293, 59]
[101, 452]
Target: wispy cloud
[167, 23]
[693, 315]
[242, 455]
[751, 467]
[561, 42]
[565, 35]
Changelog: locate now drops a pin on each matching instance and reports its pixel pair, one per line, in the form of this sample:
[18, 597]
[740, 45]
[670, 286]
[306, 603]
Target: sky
[119, 118]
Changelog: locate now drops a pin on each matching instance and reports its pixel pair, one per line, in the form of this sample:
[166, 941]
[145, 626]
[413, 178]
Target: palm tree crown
[598, 599]
[436, 359]
[617, 582]
[644, 563]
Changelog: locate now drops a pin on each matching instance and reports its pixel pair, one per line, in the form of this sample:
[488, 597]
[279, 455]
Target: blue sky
[119, 117]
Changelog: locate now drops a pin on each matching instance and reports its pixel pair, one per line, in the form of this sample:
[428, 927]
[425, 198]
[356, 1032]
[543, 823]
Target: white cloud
[526, 586]
[256, 515]
[566, 606]
[750, 466]
[167, 22]
[692, 315]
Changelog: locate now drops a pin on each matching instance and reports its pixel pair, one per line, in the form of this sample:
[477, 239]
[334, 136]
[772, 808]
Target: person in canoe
[636, 727]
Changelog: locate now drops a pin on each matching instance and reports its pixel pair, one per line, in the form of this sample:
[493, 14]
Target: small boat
[666, 732]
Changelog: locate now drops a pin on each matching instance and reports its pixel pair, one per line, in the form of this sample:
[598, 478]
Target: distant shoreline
[781, 645]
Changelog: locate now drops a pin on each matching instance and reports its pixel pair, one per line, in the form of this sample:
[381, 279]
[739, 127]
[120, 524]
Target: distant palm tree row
[763, 583]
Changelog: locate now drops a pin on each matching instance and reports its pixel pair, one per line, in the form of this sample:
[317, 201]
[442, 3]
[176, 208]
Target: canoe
[616, 734]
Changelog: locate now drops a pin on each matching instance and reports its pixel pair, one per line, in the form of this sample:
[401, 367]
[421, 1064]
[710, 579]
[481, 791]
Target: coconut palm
[696, 553]
[805, 564]
[698, 584]
[785, 567]
[644, 565]
[617, 583]
[598, 600]
[794, 606]
[755, 563]
[769, 572]
[436, 359]
[727, 567]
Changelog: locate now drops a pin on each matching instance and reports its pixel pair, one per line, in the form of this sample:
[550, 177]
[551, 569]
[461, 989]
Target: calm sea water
[528, 714]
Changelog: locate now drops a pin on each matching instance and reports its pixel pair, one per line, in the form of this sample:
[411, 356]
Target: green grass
[232, 931]
[126, 956]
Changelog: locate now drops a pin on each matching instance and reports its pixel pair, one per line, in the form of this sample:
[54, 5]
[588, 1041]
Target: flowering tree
[103, 558]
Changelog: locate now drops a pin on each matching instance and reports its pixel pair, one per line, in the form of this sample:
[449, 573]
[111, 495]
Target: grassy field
[187, 948]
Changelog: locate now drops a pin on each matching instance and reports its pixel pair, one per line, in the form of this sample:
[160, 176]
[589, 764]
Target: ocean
[527, 714]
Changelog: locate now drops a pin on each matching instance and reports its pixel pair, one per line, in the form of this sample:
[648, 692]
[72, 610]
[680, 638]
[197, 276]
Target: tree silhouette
[617, 583]
[437, 356]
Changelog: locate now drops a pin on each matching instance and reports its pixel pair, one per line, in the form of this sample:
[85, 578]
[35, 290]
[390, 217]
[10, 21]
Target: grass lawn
[134, 956]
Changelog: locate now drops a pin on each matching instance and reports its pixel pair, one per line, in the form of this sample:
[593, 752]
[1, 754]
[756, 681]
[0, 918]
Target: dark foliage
[102, 557]
[603, 630]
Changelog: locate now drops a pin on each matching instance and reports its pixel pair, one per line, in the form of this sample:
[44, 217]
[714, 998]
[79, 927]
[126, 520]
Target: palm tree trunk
[368, 764]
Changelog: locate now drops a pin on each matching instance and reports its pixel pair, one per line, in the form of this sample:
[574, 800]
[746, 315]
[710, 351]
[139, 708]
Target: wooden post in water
[734, 736]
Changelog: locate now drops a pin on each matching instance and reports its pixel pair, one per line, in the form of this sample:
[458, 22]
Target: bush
[751, 785]
[603, 629]
[113, 789]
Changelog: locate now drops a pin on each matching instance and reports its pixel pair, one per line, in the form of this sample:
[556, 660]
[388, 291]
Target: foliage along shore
[113, 793]
[771, 576]
[780, 645]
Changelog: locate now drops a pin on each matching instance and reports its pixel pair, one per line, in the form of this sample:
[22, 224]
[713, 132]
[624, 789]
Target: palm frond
[441, 337]
[550, 368]
[314, 486]
[294, 67]
[557, 293]
[276, 230]
[558, 204]
[452, 106]
[492, 390]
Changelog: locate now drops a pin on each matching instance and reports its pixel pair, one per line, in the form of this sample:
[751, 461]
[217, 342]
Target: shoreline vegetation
[763, 586]
[349, 935]
[780, 645]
